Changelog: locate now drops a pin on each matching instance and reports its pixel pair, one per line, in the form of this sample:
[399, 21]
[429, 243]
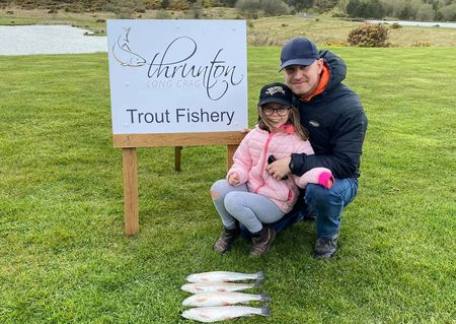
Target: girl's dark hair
[293, 119]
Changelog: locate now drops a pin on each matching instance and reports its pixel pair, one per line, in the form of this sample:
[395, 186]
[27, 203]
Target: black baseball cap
[275, 92]
[298, 51]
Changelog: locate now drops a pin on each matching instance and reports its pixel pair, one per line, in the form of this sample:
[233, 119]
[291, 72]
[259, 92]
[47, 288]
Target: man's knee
[318, 195]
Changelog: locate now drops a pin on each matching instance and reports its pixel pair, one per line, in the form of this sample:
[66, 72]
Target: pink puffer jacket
[251, 159]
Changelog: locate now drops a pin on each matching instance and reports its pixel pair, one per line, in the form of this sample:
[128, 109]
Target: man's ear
[320, 63]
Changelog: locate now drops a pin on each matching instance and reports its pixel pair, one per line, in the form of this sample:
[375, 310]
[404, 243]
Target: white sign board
[177, 76]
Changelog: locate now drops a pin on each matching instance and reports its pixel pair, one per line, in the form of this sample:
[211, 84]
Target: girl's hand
[279, 168]
[245, 130]
[233, 179]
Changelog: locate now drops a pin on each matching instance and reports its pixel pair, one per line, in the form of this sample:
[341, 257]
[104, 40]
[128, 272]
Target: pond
[48, 39]
[415, 23]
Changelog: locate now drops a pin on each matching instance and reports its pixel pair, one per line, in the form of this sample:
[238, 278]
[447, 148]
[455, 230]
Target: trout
[223, 299]
[217, 286]
[225, 276]
[213, 314]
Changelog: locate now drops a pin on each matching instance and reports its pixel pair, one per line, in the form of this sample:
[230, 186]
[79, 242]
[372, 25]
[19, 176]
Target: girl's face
[276, 114]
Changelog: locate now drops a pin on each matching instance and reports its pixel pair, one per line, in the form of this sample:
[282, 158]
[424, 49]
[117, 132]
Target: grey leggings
[250, 209]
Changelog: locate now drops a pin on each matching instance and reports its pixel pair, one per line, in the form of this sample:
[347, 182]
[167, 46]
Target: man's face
[302, 80]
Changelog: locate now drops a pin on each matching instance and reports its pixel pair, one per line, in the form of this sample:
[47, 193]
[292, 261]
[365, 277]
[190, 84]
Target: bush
[178, 5]
[162, 14]
[248, 7]
[208, 3]
[196, 10]
[152, 4]
[339, 15]
[395, 26]
[124, 9]
[274, 7]
[369, 36]
[422, 44]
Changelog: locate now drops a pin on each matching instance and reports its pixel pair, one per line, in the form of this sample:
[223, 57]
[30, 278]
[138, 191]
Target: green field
[63, 255]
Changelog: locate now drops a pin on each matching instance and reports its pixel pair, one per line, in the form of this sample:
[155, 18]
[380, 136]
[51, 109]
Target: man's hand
[233, 179]
[280, 168]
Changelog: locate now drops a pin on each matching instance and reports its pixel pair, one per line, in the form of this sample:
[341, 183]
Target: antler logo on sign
[171, 76]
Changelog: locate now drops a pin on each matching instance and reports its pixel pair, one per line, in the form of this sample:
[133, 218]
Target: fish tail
[265, 298]
[265, 311]
[260, 277]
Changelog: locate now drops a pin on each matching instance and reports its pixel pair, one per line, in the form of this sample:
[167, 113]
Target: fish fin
[265, 298]
[260, 277]
[265, 311]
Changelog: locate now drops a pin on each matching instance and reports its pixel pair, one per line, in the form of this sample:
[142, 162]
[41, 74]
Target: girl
[250, 195]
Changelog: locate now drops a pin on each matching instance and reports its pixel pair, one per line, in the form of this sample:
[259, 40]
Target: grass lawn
[63, 255]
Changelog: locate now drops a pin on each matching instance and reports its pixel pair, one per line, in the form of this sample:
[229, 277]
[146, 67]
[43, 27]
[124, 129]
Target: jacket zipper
[265, 159]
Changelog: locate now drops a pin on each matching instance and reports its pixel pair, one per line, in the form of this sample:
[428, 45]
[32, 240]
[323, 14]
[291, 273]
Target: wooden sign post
[185, 86]
[129, 143]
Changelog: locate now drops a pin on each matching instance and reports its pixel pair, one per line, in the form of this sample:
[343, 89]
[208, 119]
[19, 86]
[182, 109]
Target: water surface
[48, 39]
[415, 23]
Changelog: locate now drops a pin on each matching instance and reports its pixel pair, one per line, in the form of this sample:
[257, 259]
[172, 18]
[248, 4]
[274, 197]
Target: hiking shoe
[262, 242]
[325, 247]
[226, 239]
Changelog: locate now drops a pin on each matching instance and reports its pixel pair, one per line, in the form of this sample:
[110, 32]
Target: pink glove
[326, 179]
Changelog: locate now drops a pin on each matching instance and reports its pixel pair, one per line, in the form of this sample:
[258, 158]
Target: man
[334, 117]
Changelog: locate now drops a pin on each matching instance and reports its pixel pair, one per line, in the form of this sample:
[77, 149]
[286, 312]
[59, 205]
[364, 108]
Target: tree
[342, 5]
[375, 10]
[228, 3]
[353, 8]
[300, 5]
[164, 4]
[274, 7]
[425, 12]
[363, 9]
[324, 5]
[248, 7]
[448, 13]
